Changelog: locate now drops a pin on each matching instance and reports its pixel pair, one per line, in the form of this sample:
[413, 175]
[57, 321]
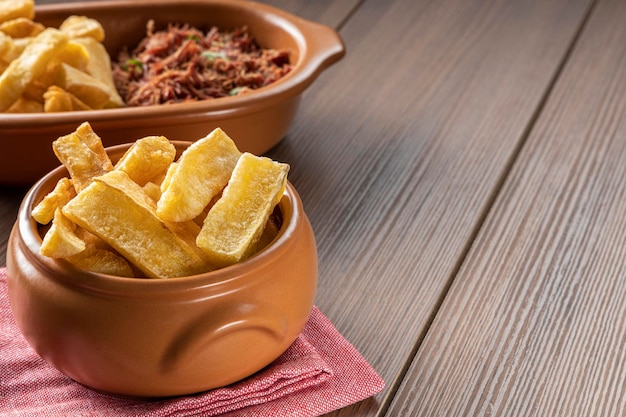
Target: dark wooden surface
[463, 168]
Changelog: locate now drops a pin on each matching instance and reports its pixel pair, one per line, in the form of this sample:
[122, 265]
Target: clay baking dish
[162, 337]
[257, 120]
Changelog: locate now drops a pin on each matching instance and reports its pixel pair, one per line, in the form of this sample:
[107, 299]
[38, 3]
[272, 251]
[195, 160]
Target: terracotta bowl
[162, 337]
[258, 120]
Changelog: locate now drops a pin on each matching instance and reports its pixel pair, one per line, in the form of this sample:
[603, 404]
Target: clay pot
[257, 121]
[162, 337]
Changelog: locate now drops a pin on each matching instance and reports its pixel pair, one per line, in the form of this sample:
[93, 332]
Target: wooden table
[464, 171]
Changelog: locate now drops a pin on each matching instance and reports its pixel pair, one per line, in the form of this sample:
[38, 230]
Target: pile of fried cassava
[152, 215]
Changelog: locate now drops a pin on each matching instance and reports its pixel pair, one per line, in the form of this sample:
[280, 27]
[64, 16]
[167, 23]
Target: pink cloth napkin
[319, 373]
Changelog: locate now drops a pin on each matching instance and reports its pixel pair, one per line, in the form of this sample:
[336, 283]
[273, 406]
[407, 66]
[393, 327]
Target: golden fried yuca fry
[116, 209]
[90, 138]
[102, 261]
[98, 256]
[153, 190]
[82, 153]
[147, 158]
[92, 240]
[72, 54]
[60, 241]
[158, 179]
[6, 44]
[26, 105]
[20, 45]
[86, 88]
[63, 192]
[81, 162]
[37, 88]
[12, 9]
[21, 27]
[235, 223]
[82, 26]
[56, 99]
[30, 65]
[99, 67]
[189, 189]
[187, 230]
[10, 49]
[165, 182]
[78, 104]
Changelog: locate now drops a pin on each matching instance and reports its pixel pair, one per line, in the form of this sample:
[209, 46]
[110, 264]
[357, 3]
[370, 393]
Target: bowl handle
[215, 325]
[324, 48]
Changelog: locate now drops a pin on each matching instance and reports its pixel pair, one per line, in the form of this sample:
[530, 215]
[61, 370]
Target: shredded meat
[184, 64]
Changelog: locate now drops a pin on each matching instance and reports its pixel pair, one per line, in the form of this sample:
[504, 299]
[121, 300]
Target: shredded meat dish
[183, 63]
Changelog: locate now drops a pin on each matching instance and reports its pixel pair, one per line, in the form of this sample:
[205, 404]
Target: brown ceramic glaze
[151, 337]
[256, 121]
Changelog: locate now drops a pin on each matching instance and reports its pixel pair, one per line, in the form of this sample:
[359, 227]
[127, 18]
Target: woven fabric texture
[320, 372]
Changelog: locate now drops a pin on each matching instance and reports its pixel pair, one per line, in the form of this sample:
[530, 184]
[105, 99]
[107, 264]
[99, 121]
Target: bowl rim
[231, 277]
[319, 47]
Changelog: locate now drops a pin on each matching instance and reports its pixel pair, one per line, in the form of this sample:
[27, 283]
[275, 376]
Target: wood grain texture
[534, 323]
[398, 150]
[398, 153]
